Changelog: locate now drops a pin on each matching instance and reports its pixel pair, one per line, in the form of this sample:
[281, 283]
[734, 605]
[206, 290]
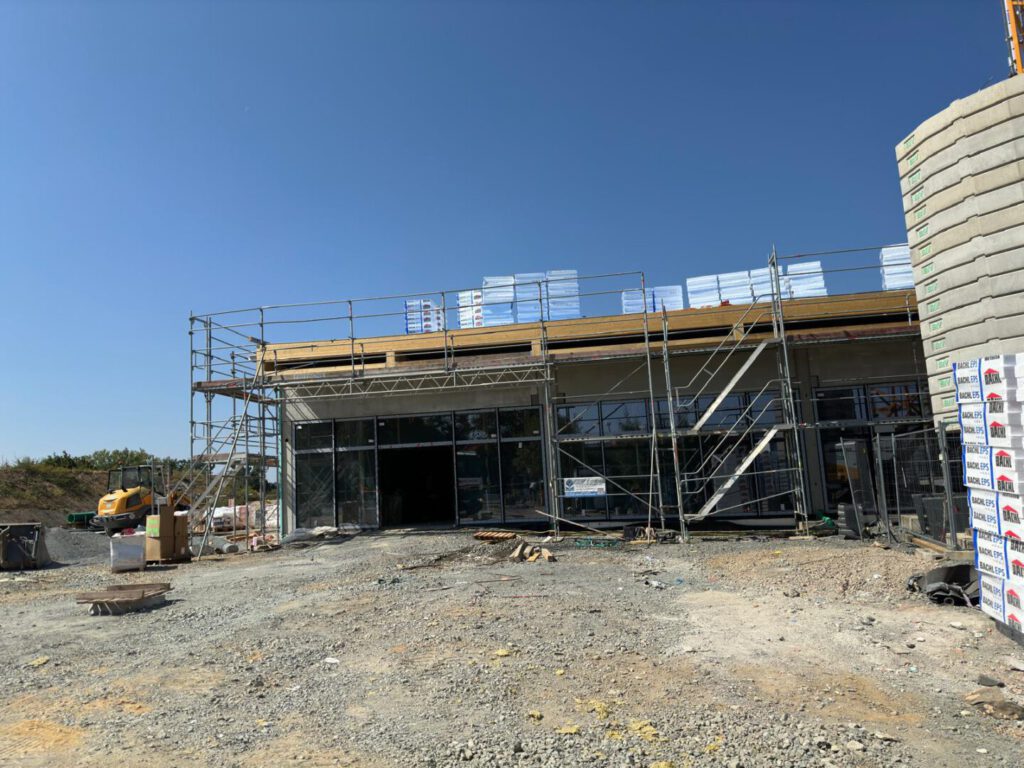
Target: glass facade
[496, 460]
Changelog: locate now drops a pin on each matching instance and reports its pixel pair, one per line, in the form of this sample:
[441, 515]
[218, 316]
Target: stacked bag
[989, 400]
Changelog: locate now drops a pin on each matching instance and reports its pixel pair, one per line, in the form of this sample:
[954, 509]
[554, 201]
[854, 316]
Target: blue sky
[159, 158]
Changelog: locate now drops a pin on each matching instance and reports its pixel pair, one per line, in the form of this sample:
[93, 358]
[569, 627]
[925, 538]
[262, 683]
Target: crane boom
[1015, 34]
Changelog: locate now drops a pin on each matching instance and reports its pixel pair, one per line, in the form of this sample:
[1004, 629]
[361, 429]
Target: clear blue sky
[158, 158]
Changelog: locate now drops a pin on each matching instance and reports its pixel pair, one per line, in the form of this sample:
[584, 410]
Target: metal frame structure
[236, 404]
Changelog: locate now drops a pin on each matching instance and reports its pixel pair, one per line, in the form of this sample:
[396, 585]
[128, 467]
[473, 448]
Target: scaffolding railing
[239, 381]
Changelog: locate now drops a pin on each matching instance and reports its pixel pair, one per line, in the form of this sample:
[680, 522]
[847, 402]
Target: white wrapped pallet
[531, 295]
[806, 280]
[563, 289]
[666, 297]
[897, 273]
[471, 313]
[977, 425]
[999, 556]
[734, 287]
[997, 513]
[984, 379]
[498, 298]
[703, 291]
[992, 469]
[761, 284]
[992, 596]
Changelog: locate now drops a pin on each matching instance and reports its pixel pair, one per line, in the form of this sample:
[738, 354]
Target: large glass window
[478, 482]
[840, 404]
[476, 425]
[315, 436]
[726, 414]
[894, 401]
[415, 430]
[356, 489]
[579, 420]
[353, 433]
[628, 464]
[519, 422]
[629, 417]
[522, 479]
[685, 416]
[314, 489]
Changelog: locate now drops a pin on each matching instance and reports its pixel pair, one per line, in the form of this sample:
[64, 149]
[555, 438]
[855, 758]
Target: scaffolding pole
[673, 431]
[789, 419]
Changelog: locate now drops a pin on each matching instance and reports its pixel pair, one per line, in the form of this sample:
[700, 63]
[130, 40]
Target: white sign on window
[584, 486]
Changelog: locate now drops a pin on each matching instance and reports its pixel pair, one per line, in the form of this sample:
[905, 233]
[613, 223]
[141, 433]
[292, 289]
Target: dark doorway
[417, 486]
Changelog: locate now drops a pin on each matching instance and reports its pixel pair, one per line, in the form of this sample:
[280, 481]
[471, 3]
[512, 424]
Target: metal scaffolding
[240, 383]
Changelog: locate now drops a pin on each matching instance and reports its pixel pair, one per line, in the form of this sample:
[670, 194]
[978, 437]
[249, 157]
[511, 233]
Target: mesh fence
[920, 488]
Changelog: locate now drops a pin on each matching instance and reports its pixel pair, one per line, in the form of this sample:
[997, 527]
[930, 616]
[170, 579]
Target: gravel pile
[70, 546]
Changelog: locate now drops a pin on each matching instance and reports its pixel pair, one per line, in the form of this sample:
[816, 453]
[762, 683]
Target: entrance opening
[417, 486]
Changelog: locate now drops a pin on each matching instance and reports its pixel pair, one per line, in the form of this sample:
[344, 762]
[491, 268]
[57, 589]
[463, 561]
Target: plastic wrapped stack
[989, 398]
[805, 280]
[761, 284]
[423, 316]
[563, 294]
[897, 274]
[734, 287]
[703, 291]
[531, 295]
[499, 295]
[667, 297]
[471, 313]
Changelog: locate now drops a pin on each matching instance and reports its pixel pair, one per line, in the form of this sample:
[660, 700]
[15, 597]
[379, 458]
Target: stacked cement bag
[989, 398]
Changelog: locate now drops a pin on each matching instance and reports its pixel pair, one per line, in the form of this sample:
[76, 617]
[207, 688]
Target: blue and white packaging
[991, 597]
[993, 469]
[992, 556]
[979, 380]
[998, 513]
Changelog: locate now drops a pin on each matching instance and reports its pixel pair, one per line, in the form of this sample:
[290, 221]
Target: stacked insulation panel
[563, 287]
[499, 295]
[703, 291]
[423, 316]
[805, 280]
[734, 287]
[471, 313]
[897, 274]
[662, 297]
[989, 393]
[531, 292]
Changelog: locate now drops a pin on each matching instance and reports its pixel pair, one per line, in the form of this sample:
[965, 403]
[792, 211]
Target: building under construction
[737, 410]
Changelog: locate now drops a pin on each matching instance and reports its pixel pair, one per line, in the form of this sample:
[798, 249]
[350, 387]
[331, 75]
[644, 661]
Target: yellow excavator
[132, 493]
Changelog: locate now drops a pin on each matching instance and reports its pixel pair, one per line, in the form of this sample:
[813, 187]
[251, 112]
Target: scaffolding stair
[208, 497]
[728, 387]
[730, 481]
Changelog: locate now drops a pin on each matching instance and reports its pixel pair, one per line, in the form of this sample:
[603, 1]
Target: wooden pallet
[119, 599]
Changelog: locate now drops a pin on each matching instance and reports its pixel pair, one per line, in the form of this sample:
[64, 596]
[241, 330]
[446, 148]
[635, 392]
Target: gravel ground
[432, 649]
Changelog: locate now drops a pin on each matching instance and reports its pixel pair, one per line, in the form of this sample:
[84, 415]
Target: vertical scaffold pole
[673, 432]
[793, 443]
[655, 467]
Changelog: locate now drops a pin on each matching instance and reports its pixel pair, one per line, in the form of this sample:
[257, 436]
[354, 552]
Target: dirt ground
[433, 649]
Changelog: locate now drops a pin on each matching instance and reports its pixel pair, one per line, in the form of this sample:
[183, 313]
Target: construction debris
[531, 553]
[493, 536]
[119, 599]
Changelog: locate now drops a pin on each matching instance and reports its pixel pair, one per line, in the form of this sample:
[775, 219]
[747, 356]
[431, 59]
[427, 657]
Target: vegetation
[98, 460]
